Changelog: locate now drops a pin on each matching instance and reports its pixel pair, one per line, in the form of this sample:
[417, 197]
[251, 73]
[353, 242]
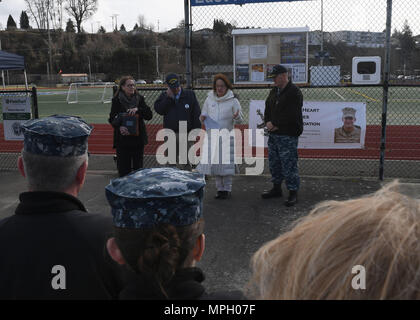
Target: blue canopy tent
[11, 61]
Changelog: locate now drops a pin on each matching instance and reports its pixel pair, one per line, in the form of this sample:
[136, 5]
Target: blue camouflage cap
[57, 135]
[148, 197]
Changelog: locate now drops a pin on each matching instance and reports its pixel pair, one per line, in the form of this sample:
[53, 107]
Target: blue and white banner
[326, 124]
[195, 3]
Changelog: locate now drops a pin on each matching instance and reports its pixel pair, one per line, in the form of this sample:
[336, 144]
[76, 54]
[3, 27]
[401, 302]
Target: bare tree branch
[81, 10]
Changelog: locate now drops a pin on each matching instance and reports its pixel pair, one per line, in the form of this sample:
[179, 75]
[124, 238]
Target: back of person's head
[158, 223]
[54, 156]
[160, 251]
[365, 248]
[51, 173]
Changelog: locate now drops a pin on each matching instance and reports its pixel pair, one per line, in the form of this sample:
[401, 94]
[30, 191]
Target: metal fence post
[386, 87]
[35, 102]
[187, 23]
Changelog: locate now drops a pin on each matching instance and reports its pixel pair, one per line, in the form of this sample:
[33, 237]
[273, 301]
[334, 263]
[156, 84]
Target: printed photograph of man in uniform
[349, 132]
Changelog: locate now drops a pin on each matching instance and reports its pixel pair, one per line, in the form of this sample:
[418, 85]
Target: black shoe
[275, 192]
[225, 194]
[218, 195]
[292, 199]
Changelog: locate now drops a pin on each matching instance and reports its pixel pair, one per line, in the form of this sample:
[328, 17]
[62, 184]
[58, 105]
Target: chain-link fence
[402, 154]
[318, 41]
[335, 31]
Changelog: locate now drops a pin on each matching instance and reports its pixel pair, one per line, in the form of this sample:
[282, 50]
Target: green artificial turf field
[403, 106]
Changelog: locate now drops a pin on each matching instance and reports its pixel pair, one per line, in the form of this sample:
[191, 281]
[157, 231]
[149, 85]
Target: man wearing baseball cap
[51, 247]
[177, 104]
[284, 122]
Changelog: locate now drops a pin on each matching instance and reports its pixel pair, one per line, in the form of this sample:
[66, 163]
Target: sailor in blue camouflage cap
[150, 197]
[52, 223]
[57, 135]
[159, 234]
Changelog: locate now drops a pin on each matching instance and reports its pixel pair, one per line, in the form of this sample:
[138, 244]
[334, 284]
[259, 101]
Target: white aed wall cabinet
[366, 70]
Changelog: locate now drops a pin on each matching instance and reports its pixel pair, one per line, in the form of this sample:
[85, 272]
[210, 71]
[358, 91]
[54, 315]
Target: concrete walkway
[234, 229]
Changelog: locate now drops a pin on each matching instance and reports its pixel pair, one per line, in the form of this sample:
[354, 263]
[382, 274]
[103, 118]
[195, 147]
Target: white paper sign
[257, 72]
[242, 54]
[258, 51]
[16, 110]
[324, 126]
[297, 71]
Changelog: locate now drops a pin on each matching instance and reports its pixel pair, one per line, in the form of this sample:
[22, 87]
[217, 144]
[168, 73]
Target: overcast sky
[360, 15]
[168, 12]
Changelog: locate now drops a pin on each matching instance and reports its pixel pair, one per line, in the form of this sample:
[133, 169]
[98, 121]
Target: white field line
[342, 98]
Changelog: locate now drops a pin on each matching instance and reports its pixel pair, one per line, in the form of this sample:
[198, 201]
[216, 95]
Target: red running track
[403, 143]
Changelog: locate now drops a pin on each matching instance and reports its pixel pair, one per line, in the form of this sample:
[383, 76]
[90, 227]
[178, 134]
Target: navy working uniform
[53, 229]
[283, 108]
[150, 197]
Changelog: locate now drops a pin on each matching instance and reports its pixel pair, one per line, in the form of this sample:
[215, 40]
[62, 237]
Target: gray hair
[50, 173]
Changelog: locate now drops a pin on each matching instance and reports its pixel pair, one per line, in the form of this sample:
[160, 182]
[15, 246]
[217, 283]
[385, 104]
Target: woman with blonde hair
[223, 110]
[366, 248]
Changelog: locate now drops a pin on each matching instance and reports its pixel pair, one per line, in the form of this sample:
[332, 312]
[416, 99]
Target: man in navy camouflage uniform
[283, 118]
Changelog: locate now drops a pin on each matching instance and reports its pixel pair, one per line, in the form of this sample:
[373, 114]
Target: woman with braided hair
[158, 234]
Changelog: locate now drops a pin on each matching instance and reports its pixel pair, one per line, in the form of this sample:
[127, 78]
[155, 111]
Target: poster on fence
[326, 125]
[256, 51]
[16, 110]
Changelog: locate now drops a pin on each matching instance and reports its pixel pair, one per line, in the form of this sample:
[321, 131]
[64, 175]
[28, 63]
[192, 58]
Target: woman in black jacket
[130, 145]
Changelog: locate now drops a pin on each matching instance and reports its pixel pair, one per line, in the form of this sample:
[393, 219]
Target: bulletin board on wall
[256, 51]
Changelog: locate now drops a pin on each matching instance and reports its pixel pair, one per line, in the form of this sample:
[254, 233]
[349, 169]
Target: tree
[101, 30]
[39, 11]
[24, 21]
[56, 13]
[122, 28]
[81, 10]
[70, 26]
[136, 27]
[221, 27]
[181, 24]
[407, 46]
[142, 21]
[11, 24]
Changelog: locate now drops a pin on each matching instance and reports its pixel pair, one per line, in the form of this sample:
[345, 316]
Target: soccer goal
[90, 92]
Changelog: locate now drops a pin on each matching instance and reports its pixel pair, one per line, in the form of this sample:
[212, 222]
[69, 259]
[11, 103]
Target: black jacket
[50, 229]
[284, 110]
[144, 112]
[185, 285]
[185, 109]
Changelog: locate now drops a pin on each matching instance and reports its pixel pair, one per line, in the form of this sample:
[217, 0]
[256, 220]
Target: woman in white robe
[221, 110]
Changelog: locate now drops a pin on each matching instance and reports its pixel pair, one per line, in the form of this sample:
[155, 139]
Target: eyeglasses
[132, 85]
